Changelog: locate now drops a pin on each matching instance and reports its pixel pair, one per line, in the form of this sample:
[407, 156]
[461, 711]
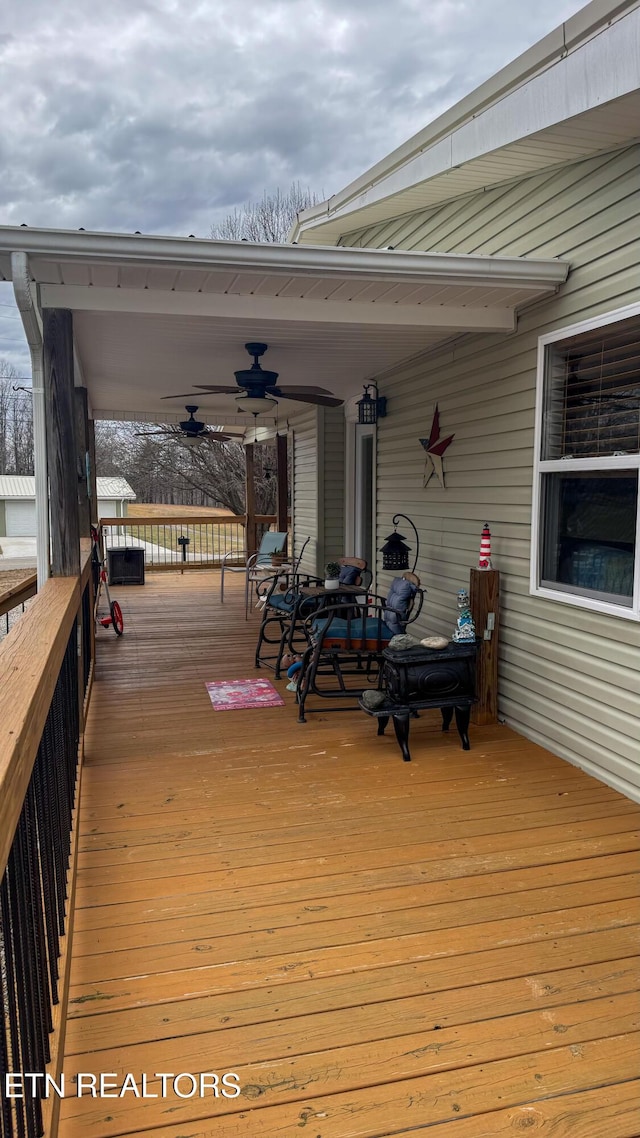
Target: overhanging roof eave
[177, 252]
[589, 87]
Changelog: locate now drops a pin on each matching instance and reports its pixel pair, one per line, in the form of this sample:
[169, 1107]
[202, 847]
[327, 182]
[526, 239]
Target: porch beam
[61, 441]
[493, 318]
[250, 500]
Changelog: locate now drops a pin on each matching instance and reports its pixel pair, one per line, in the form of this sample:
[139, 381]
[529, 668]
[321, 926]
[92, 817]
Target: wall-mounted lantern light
[371, 407]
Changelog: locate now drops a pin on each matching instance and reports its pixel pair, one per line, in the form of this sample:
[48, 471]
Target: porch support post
[484, 595]
[61, 441]
[250, 500]
[27, 307]
[82, 443]
[93, 486]
[282, 503]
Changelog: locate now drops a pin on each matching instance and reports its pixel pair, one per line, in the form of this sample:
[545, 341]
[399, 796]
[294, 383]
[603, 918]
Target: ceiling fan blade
[208, 390]
[218, 388]
[303, 396]
[303, 389]
[148, 434]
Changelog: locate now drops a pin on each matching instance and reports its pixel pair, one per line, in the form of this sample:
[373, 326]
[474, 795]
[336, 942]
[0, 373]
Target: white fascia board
[563, 76]
[177, 252]
[234, 307]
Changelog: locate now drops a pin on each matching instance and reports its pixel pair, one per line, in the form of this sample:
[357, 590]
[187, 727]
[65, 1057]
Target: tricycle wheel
[116, 618]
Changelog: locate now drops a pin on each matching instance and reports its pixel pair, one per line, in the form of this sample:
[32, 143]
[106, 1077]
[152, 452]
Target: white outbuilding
[18, 502]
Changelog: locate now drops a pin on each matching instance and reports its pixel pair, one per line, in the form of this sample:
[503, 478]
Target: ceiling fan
[260, 390]
[191, 431]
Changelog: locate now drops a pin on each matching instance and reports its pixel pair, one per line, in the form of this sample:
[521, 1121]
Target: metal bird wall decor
[435, 448]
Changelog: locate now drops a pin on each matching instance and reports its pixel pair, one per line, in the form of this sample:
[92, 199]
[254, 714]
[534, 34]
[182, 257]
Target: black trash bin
[126, 566]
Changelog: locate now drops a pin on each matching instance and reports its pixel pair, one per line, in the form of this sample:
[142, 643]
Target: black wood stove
[419, 678]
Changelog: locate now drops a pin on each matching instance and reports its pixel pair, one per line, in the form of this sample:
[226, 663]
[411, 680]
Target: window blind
[592, 405]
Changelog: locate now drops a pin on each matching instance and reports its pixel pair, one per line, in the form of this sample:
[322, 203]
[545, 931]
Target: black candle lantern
[395, 551]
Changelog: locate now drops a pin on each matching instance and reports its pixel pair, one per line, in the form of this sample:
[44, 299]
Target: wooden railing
[16, 598]
[189, 542]
[46, 664]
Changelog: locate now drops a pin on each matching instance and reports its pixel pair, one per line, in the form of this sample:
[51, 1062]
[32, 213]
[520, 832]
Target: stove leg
[401, 727]
[463, 715]
[447, 716]
[382, 723]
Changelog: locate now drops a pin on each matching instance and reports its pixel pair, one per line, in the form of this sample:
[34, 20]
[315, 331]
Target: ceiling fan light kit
[192, 440]
[259, 405]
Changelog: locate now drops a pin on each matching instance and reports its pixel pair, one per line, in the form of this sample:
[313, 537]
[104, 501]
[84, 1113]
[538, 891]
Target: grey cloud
[163, 116]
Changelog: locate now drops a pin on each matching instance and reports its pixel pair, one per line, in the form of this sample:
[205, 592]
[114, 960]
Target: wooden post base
[484, 593]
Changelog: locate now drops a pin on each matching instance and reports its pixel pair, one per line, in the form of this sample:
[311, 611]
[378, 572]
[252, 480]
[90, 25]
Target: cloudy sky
[164, 115]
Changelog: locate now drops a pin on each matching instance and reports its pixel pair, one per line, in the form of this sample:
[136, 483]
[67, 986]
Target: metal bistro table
[420, 678]
[329, 596]
[312, 598]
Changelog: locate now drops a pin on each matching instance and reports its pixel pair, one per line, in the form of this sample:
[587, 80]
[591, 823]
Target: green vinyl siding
[569, 678]
[334, 475]
[305, 487]
[318, 486]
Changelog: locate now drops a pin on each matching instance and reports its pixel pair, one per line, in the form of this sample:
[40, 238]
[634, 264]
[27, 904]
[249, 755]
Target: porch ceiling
[156, 316]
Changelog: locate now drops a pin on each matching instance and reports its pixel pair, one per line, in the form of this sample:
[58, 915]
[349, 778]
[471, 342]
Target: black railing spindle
[33, 891]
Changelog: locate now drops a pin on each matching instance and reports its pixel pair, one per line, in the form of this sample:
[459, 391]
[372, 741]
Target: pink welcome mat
[233, 695]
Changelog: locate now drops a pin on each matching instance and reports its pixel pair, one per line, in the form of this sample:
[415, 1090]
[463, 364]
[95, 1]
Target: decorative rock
[434, 642]
[402, 642]
[373, 698]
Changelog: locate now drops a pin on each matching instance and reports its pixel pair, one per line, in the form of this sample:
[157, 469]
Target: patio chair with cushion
[286, 609]
[254, 565]
[346, 643]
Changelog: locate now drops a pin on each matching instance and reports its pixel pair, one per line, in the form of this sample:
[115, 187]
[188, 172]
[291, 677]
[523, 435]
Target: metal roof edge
[24, 486]
[126, 248]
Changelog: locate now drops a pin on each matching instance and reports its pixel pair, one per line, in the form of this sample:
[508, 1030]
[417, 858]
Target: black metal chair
[285, 610]
[345, 645]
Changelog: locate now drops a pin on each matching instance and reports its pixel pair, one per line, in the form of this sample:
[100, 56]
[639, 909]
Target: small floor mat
[234, 695]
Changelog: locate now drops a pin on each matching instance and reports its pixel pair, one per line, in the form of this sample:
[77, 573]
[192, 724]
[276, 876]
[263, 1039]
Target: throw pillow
[399, 597]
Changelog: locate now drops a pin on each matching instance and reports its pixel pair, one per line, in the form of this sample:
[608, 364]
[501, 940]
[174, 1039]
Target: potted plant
[331, 575]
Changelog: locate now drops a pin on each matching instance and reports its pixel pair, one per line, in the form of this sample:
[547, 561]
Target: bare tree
[270, 219]
[16, 423]
[163, 470]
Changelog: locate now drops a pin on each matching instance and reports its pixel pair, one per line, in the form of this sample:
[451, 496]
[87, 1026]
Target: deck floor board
[447, 947]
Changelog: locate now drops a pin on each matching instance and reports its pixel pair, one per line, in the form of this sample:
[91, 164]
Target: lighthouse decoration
[484, 561]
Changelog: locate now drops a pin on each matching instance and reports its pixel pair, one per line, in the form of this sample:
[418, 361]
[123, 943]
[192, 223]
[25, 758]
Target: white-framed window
[585, 540]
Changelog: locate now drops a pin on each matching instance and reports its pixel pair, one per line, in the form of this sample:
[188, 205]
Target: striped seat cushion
[368, 635]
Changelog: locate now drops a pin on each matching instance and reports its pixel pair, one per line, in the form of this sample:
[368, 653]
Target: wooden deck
[445, 947]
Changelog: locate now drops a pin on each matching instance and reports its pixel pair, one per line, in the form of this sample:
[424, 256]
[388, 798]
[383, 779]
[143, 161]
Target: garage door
[20, 518]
